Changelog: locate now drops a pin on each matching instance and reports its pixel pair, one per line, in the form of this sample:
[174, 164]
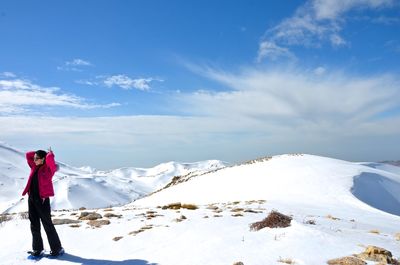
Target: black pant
[39, 210]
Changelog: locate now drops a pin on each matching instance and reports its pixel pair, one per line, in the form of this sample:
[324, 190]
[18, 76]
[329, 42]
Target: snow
[347, 201]
[86, 187]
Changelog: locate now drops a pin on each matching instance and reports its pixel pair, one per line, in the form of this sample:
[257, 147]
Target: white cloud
[272, 51]
[333, 9]
[74, 65]
[126, 82]
[19, 96]
[317, 22]
[319, 70]
[297, 96]
[386, 20]
[78, 62]
[7, 75]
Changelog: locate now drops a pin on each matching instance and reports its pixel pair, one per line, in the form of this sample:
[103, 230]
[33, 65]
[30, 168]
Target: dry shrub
[5, 218]
[24, 215]
[172, 206]
[332, 217]
[274, 219]
[190, 206]
[374, 231]
[346, 261]
[117, 238]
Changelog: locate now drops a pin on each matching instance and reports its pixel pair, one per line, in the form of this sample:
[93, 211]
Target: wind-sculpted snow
[378, 191]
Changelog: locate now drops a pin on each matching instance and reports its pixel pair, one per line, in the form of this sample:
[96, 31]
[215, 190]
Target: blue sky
[136, 83]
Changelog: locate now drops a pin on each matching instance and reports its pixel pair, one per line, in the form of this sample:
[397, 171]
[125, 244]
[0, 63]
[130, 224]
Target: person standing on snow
[40, 188]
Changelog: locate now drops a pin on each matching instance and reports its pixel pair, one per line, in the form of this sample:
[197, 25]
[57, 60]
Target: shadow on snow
[84, 261]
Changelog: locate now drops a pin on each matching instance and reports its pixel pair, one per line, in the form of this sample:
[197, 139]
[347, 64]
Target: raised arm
[50, 162]
[29, 158]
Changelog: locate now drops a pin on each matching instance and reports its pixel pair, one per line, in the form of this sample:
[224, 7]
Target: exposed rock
[238, 263]
[346, 261]
[64, 221]
[89, 216]
[110, 215]
[237, 215]
[117, 238]
[98, 223]
[378, 254]
[180, 219]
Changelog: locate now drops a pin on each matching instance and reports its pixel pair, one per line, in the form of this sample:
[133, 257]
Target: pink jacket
[45, 175]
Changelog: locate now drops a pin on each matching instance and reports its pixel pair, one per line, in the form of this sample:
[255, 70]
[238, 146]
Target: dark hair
[41, 153]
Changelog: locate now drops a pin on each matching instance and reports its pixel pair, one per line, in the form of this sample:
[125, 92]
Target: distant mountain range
[85, 187]
[394, 163]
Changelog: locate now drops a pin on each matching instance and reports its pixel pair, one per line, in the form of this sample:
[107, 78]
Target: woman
[40, 188]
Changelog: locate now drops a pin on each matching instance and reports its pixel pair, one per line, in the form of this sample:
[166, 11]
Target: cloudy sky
[109, 84]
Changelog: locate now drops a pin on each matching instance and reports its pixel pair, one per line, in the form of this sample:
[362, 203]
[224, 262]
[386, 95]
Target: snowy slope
[308, 188]
[80, 187]
[292, 179]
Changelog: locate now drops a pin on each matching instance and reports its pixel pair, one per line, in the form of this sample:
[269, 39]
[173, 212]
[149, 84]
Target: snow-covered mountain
[84, 187]
[303, 179]
[338, 208]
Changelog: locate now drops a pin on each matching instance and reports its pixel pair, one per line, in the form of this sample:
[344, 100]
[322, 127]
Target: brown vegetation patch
[374, 231]
[346, 261]
[190, 206]
[75, 225]
[117, 238]
[5, 218]
[274, 219]
[397, 236]
[172, 206]
[332, 217]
